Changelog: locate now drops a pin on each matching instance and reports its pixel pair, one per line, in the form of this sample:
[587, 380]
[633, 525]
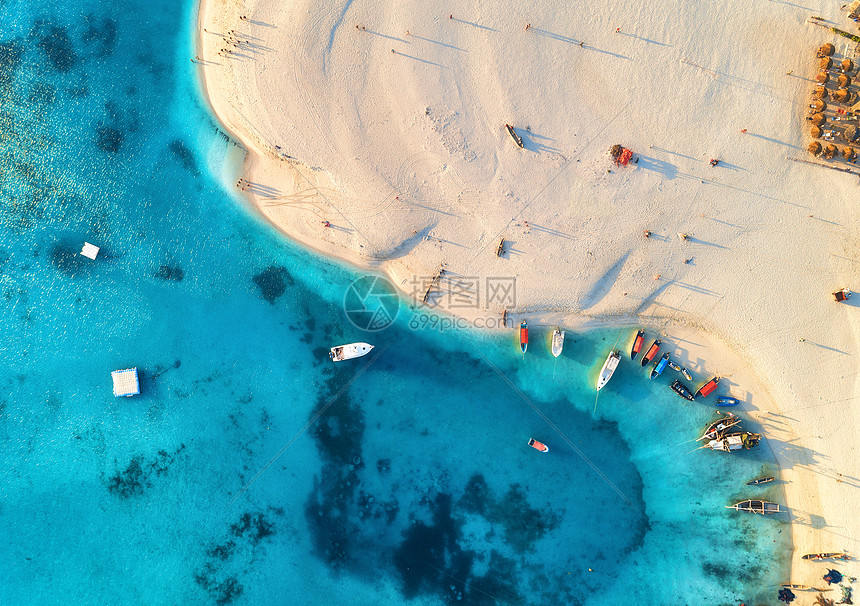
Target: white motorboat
[349, 351]
[608, 368]
[557, 342]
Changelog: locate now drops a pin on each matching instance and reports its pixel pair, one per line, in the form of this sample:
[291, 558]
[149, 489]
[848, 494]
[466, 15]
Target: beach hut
[823, 77]
[814, 148]
[819, 106]
[825, 63]
[841, 96]
[850, 133]
[816, 132]
[830, 151]
[826, 50]
[847, 65]
[843, 81]
[818, 119]
[849, 154]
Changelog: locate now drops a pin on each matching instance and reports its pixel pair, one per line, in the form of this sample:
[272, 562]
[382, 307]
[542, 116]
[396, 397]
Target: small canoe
[838, 555]
[501, 249]
[758, 481]
[349, 351]
[557, 342]
[524, 336]
[660, 366]
[686, 374]
[539, 446]
[756, 506]
[517, 139]
[637, 344]
[609, 367]
[682, 390]
[708, 388]
[800, 587]
[725, 401]
[652, 351]
[674, 366]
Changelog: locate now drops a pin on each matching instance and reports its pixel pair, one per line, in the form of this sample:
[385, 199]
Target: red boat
[708, 388]
[637, 344]
[524, 336]
[540, 446]
[652, 351]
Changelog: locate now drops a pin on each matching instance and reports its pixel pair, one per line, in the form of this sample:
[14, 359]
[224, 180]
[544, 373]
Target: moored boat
[674, 366]
[763, 480]
[652, 351]
[718, 427]
[734, 441]
[517, 139]
[660, 366]
[726, 401]
[686, 374]
[837, 555]
[708, 388]
[524, 336]
[637, 344]
[682, 390]
[539, 446]
[557, 342]
[756, 506]
[609, 367]
[349, 351]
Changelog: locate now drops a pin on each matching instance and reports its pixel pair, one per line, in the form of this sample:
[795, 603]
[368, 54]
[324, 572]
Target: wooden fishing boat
[686, 374]
[652, 351]
[837, 555]
[660, 366]
[524, 336]
[756, 506]
[718, 427]
[349, 351]
[557, 342]
[609, 367]
[539, 446]
[734, 441]
[517, 139]
[682, 390]
[726, 401]
[501, 249]
[763, 480]
[708, 388]
[800, 587]
[637, 344]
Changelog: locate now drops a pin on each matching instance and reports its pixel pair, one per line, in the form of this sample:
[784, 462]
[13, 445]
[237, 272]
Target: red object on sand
[625, 157]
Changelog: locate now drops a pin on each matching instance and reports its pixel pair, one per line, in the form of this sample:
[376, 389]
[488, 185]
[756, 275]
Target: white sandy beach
[395, 135]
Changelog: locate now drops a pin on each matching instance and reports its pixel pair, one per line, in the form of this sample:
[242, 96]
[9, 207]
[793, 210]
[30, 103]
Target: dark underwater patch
[54, 40]
[42, 94]
[68, 259]
[136, 478]
[11, 52]
[172, 273]
[102, 32]
[222, 591]
[184, 155]
[273, 282]
[109, 139]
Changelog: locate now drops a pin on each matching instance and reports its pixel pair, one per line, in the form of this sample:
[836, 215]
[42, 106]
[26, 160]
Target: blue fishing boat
[660, 366]
[726, 401]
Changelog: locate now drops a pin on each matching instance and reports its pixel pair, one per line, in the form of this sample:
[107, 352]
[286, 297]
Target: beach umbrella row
[831, 151]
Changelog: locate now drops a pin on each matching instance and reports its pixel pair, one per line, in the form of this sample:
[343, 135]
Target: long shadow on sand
[668, 170]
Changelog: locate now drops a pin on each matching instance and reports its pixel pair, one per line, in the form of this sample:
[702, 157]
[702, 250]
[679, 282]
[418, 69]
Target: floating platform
[90, 251]
[125, 383]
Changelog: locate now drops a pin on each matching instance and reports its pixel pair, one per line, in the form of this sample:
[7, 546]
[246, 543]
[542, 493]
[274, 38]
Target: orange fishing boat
[652, 351]
[708, 388]
[524, 336]
[637, 344]
[539, 446]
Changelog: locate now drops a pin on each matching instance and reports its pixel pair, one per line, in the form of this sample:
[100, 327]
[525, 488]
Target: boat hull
[727, 401]
[608, 369]
[660, 366]
[557, 342]
[349, 351]
[758, 481]
[652, 351]
[682, 390]
[637, 344]
[708, 388]
[539, 446]
[524, 336]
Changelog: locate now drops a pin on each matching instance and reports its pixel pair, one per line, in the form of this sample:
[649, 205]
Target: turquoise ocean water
[414, 485]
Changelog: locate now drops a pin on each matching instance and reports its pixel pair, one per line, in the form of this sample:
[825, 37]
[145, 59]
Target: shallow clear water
[415, 485]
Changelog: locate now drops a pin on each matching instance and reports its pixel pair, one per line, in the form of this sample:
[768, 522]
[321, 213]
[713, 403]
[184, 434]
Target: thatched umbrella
[816, 132]
[825, 63]
[842, 95]
[818, 119]
[826, 50]
[830, 151]
[847, 65]
[814, 148]
[819, 92]
[819, 106]
[843, 81]
[850, 133]
[823, 77]
[849, 153]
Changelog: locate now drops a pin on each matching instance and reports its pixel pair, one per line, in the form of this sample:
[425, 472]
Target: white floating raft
[125, 383]
[90, 251]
